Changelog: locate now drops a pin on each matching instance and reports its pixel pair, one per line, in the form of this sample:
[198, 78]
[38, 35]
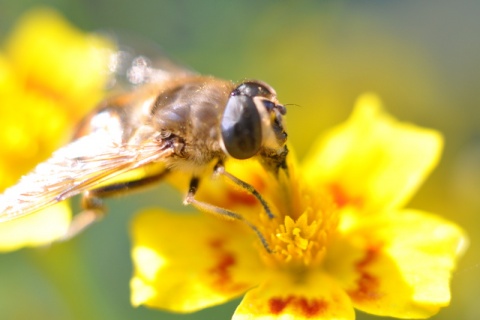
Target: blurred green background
[421, 57]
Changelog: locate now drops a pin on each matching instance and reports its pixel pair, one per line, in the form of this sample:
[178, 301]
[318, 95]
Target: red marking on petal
[240, 197]
[243, 196]
[216, 243]
[367, 284]
[306, 307]
[224, 261]
[220, 272]
[38, 86]
[277, 305]
[342, 198]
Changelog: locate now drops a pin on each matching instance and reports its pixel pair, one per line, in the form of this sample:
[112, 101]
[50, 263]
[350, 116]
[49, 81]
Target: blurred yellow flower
[51, 74]
[340, 239]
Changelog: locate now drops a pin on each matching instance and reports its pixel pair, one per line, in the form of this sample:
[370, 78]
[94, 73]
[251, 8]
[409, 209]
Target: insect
[182, 120]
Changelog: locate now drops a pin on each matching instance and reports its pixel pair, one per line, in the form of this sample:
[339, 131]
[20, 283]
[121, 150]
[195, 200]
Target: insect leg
[220, 169]
[93, 210]
[92, 201]
[129, 186]
[221, 212]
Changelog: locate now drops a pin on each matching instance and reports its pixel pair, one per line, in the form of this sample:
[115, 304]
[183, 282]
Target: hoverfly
[180, 119]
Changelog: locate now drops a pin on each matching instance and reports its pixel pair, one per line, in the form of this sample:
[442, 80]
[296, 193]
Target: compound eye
[255, 88]
[241, 127]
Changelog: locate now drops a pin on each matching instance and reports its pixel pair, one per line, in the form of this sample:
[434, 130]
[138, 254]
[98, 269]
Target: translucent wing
[139, 61]
[77, 167]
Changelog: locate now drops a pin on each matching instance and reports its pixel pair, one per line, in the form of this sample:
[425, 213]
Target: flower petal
[48, 62]
[50, 75]
[373, 161]
[398, 266]
[186, 262]
[37, 229]
[283, 296]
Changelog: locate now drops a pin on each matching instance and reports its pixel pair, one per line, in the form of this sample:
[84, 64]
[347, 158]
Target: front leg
[220, 169]
[220, 212]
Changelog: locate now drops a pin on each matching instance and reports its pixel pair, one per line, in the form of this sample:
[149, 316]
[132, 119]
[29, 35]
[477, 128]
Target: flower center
[300, 235]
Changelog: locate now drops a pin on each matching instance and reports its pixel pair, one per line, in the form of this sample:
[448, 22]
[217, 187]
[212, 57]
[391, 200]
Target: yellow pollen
[301, 241]
[306, 221]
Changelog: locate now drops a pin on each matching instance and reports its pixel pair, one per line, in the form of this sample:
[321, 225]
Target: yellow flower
[340, 238]
[50, 75]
